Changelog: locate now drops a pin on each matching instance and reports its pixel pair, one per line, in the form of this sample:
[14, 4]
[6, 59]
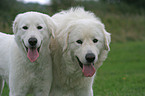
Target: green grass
[122, 74]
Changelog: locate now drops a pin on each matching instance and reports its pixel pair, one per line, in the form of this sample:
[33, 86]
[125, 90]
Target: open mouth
[32, 52]
[26, 48]
[87, 69]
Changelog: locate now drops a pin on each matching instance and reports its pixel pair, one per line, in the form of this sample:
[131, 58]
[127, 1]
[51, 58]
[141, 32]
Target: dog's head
[32, 30]
[87, 41]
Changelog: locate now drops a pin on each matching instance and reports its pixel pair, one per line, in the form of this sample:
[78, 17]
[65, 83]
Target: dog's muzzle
[88, 68]
[32, 49]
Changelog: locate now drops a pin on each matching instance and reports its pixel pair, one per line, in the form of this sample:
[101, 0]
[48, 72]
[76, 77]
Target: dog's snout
[90, 57]
[32, 41]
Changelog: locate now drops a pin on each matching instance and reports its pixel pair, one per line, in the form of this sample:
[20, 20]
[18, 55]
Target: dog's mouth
[38, 49]
[32, 52]
[87, 69]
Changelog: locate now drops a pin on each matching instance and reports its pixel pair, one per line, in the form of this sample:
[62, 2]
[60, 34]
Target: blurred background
[123, 73]
[125, 19]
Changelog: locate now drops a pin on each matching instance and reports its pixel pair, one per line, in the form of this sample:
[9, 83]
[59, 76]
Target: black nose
[32, 41]
[90, 57]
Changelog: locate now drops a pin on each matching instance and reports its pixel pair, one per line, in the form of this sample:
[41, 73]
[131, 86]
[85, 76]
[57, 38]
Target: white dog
[5, 42]
[79, 49]
[26, 55]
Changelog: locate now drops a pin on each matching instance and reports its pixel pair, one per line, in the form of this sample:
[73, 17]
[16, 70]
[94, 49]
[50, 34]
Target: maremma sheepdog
[25, 61]
[79, 49]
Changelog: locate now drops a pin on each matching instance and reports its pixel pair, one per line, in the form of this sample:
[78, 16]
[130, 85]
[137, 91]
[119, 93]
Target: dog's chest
[72, 81]
[37, 70]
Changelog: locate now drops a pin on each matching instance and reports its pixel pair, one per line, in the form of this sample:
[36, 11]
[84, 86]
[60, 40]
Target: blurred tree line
[123, 18]
[9, 8]
[136, 3]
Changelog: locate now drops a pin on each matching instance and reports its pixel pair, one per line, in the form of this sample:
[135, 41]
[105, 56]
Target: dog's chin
[87, 69]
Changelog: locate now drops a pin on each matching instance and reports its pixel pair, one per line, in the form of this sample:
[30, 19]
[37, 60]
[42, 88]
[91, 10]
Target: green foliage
[7, 4]
[123, 20]
[61, 4]
[137, 3]
[125, 27]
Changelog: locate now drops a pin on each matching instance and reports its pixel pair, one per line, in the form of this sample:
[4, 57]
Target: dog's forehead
[30, 19]
[87, 31]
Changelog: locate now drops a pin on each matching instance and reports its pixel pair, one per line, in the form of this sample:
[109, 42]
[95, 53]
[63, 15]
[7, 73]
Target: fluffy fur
[26, 75]
[79, 32]
[5, 42]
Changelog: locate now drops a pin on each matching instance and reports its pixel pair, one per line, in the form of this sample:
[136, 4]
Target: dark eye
[95, 40]
[39, 27]
[79, 41]
[25, 27]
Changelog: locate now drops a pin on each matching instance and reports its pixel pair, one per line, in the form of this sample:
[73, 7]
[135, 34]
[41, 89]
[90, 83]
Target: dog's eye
[39, 27]
[95, 40]
[25, 27]
[79, 41]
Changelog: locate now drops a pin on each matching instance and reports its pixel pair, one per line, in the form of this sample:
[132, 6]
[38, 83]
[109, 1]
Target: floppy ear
[14, 26]
[15, 23]
[63, 35]
[66, 38]
[107, 39]
[103, 54]
[51, 24]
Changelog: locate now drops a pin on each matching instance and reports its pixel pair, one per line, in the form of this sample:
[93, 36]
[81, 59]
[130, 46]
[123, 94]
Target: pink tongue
[32, 54]
[88, 70]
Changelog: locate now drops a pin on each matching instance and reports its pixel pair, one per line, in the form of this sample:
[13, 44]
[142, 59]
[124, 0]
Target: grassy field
[122, 74]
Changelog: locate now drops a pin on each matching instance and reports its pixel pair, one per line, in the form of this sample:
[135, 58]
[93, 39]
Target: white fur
[5, 42]
[25, 76]
[76, 24]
